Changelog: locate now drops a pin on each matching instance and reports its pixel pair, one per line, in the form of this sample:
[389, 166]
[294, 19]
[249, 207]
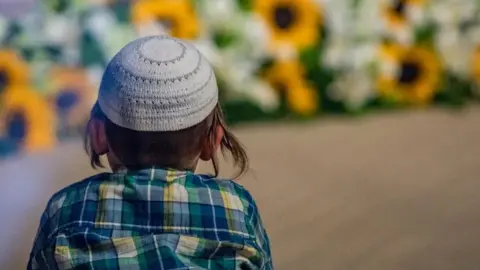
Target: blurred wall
[28, 182]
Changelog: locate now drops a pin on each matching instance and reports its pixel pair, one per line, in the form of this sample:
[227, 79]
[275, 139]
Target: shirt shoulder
[71, 196]
[230, 188]
[77, 188]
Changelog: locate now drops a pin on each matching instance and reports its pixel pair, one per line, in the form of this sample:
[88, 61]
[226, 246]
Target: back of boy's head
[158, 102]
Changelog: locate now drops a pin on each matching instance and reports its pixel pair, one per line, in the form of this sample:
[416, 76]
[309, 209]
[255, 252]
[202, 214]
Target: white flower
[61, 30]
[100, 22]
[364, 54]
[242, 82]
[151, 29]
[3, 27]
[255, 36]
[452, 12]
[251, 35]
[32, 30]
[455, 50]
[216, 12]
[209, 50]
[118, 37]
[417, 15]
[336, 13]
[350, 44]
[95, 74]
[366, 24]
[343, 53]
[353, 88]
[236, 70]
[111, 35]
[456, 47]
[335, 53]
[237, 63]
[263, 94]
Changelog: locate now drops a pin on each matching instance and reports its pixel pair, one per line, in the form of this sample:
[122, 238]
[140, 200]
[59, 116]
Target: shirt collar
[153, 173]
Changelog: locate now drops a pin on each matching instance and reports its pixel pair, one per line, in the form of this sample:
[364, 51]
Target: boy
[157, 114]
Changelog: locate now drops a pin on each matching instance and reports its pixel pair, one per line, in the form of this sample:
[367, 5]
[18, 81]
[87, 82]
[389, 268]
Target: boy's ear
[209, 149]
[98, 137]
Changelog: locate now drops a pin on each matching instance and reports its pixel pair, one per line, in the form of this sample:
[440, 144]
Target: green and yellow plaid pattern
[151, 219]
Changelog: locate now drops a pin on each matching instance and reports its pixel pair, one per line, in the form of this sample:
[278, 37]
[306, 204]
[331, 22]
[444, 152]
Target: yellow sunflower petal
[288, 77]
[37, 114]
[303, 100]
[13, 70]
[390, 51]
[179, 15]
[476, 65]
[285, 72]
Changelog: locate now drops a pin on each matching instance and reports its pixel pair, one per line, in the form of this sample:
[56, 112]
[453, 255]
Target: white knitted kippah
[158, 83]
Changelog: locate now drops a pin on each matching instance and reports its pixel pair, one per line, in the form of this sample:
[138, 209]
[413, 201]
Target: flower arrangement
[274, 59]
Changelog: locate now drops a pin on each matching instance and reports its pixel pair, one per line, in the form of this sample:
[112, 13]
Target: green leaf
[53, 52]
[91, 52]
[454, 91]
[355, 3]
[245, 5]
[14, 31]
[310, 58]
[240, 111]
[224, 39]
[28, 54]
[121, 10]
[425, 34]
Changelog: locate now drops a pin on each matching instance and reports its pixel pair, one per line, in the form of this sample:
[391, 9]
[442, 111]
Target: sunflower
[398, 13]
[72, 97]
[177, 16]
[409, 74]
[26, 119]
[293, 23]
[13, 70]
[287, 77]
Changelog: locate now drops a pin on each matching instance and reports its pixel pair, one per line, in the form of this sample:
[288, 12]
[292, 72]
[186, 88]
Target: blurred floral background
[275, 59]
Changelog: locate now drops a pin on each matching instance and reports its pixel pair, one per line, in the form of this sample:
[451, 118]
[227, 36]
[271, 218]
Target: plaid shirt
[151, 219]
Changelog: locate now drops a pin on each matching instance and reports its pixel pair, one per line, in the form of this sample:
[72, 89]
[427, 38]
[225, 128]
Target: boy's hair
[168, 149]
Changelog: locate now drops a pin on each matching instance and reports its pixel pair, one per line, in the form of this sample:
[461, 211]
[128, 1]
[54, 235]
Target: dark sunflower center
[280, 87]
[16, 126]
[410, 72]
[66, 100]
[399, 7]
[3, 80]
[284, 16]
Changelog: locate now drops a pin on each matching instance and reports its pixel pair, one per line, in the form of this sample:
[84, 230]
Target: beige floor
[397, 191]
